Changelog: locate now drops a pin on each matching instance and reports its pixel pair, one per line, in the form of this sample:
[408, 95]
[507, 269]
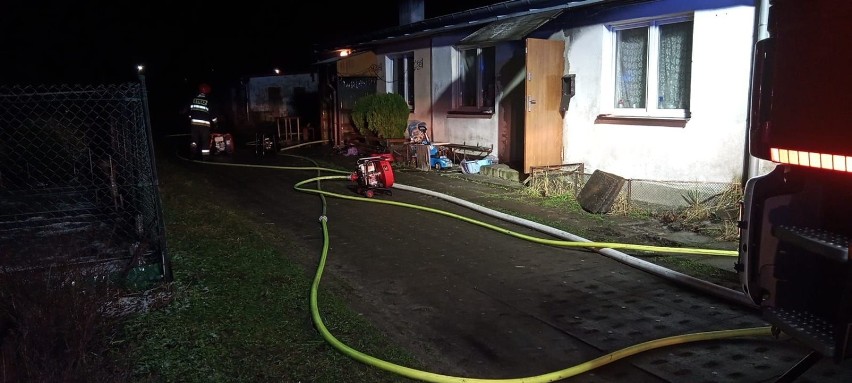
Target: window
[276, 101]
[350, 89]
[652, 68]
[401, 77]
[273, 93]
[475, 89]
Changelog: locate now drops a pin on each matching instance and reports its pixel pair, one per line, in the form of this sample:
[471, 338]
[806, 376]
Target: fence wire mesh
[77, 177]
[557, 179]
[692, 200]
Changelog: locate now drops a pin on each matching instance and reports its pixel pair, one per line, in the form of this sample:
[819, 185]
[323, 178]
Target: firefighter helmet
[204, 88]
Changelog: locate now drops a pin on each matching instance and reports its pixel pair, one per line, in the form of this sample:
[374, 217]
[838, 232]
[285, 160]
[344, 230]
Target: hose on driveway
[439, 378]
[575, 241]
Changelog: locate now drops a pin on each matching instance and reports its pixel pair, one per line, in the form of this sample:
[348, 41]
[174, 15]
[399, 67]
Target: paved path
[478, 303]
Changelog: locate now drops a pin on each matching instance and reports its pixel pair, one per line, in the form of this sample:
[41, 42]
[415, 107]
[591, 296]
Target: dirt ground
[479, 303]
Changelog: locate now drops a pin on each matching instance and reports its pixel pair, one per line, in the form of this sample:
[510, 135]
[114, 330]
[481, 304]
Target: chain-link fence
[557, 179]
[77, 178]
[656, 196]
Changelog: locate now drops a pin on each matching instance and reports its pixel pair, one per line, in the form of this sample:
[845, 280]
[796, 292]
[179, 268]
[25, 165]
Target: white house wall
[423, 85]
[442, 86]
[451, 128]
[422, 77]
[711, 145]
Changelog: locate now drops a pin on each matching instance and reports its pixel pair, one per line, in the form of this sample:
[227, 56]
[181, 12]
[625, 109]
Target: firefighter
[202, 118]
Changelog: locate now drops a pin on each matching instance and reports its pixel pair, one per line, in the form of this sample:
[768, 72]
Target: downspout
[248, 101]
[432, 92]
[750, 163]
[336, 106]
[335, 117]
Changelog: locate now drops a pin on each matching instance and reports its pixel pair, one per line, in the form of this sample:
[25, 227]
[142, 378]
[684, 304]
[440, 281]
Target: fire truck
[796, 219]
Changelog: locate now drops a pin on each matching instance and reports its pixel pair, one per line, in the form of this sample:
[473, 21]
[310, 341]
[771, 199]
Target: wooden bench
[460, 152]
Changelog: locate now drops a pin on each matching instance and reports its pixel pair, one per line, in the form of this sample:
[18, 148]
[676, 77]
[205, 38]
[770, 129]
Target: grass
[709, 215]
[696, 269]
[54, 327]
[552, 196]
[237, 311]
[563, 198]
[239, 308]
[677, 263]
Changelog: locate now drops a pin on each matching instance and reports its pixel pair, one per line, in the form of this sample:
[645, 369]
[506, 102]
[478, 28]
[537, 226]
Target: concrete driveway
[478, 303]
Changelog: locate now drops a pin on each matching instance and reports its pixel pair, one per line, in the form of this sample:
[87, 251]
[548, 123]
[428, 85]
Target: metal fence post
[629, 193]
[167, 269]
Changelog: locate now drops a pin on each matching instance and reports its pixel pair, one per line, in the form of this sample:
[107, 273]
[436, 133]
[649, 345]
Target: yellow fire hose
[439, 378]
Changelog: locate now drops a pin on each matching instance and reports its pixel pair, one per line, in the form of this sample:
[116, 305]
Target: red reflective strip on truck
[811, 159]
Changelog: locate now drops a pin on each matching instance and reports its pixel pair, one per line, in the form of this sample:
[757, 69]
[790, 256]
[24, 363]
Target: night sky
[181, 43]
[103, 41]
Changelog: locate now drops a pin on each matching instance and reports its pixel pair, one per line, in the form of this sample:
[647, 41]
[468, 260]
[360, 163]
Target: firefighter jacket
[200, 111]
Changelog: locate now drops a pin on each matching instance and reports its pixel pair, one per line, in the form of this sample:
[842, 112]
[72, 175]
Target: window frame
[406, 61]
[482, 105]
[651, 109]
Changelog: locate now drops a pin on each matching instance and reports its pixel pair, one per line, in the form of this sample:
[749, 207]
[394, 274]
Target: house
[286, 102]
[654, 90]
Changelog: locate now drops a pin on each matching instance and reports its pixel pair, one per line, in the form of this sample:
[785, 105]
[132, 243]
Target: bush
[384, 115]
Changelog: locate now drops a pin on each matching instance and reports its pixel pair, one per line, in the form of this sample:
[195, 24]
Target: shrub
[384, 115]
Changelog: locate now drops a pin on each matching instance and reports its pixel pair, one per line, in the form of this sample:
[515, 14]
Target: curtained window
[652, 68]
[476, 80]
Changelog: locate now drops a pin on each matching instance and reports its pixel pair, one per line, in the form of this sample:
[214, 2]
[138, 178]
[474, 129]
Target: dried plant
[621, 206]
[730, 231]
[553, 182]
[719, 208]
[54, 327]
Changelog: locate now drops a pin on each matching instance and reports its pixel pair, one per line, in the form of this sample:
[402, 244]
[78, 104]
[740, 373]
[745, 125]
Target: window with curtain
[476, 87]
[401, 77]
[652, 68]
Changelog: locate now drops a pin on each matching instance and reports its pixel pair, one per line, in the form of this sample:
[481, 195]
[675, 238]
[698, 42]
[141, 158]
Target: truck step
[830, 245]
[814, 331]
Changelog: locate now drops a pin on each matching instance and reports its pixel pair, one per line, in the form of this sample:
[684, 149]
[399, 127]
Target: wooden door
[545, 64]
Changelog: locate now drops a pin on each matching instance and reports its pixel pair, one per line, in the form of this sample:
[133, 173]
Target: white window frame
[401, 62]
[482, 105]
[652, 81]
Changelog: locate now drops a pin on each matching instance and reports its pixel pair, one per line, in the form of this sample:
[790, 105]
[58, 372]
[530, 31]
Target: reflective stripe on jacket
[199, 110]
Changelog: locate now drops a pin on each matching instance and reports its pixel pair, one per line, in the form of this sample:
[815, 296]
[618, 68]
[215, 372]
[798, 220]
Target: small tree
[385, 115]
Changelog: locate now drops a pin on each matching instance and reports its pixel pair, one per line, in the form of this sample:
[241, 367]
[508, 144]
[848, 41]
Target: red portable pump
[371, 174]
[221, 143]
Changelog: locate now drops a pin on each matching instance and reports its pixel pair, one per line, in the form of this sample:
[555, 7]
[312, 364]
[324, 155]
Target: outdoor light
[140, 68]
[345, 52]
[277, 71]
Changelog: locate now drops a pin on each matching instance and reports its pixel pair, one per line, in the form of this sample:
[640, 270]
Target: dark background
[103, 41]
[181, 43]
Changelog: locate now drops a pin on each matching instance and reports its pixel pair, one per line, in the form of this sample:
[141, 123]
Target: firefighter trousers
[201, 138]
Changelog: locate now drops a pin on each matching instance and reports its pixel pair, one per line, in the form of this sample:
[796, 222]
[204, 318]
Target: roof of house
[521, 12]
[509, 28]
[508, 20]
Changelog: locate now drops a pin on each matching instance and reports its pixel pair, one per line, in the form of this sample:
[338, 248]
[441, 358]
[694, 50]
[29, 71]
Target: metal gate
[78, 183]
